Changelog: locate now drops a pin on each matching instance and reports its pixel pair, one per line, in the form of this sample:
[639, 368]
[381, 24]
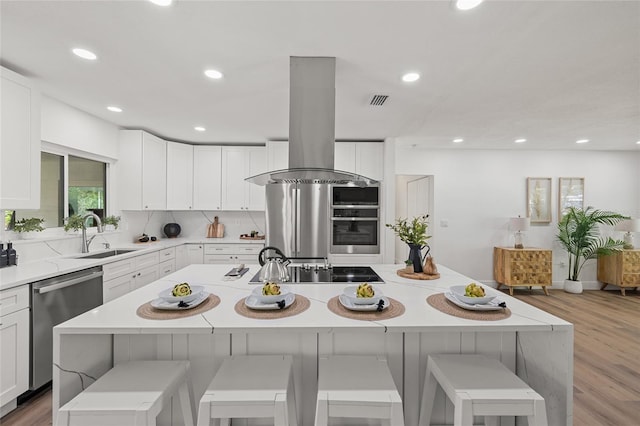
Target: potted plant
[578, 234]
[28, 227]
[73, 222]
[414, 233]
[111, 222]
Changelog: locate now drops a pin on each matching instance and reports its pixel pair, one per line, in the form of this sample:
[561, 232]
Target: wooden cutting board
[215, 229]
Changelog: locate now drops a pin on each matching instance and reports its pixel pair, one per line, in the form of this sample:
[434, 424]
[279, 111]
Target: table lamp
[629, 226]
[519, 224]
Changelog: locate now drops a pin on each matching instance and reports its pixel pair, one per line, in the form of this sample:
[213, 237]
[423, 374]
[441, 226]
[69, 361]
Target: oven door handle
[356, 219]
[69, 283]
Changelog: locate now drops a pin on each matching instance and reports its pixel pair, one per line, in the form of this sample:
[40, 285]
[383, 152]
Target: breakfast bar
[535, 345]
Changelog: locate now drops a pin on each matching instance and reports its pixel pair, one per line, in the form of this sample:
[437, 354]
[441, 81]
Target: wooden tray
[259, 237]
[417, 275]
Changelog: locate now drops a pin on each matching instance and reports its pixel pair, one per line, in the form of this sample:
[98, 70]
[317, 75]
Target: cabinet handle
[138, 273]
[167, 271]
[218, 208]
[133, 276]
[146, 207]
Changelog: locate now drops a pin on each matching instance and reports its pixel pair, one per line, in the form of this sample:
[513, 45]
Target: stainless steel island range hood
[312, 96]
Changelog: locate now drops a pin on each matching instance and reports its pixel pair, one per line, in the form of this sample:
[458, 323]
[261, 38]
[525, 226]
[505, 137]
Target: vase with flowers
[414, 233]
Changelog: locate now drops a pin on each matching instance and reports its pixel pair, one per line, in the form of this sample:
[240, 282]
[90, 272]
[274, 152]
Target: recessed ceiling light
[199, 128]
[162, 2]
[114, 109]
[582, 141]
[458, 140]
[638, 142]
[467, 4]
[213, 74]
[520, 140]
[411, 77]
[85, 54]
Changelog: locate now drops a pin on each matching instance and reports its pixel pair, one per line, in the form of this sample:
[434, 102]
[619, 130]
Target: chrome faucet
[85, 242]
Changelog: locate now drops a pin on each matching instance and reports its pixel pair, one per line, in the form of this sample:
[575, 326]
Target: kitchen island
[535, 345]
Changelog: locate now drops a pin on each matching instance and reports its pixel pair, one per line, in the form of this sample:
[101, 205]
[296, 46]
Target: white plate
[257, 293]
[493, 305]
[160, 303]
[253, 302]
[346, 302]
[168, 297]
[350, 293]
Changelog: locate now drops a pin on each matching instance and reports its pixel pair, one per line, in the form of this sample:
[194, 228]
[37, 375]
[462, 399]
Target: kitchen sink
[104, 254]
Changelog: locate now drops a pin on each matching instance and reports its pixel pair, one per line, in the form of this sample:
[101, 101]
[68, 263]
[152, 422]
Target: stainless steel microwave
[355, 220]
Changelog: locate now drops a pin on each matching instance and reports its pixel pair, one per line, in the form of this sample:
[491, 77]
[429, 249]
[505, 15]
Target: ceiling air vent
[378, 100]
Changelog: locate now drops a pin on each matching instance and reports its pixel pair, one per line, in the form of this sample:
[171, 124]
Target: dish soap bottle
[4, 259]
[12, 256]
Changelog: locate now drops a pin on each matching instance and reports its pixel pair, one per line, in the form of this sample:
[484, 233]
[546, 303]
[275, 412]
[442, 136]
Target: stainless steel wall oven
[355, 222]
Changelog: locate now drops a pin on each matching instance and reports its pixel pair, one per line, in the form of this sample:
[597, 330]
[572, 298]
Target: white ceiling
[549, 71]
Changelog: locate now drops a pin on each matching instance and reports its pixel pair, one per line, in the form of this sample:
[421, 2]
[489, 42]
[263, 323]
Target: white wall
[477, 191]
[67, 126]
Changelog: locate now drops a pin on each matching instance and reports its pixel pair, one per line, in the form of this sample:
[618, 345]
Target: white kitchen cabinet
[167, 261]
[231, 253]
[182, 257]
[142, 171]
[19, 142]
[207, 177]
[363, 158]
[344, 156]
[179, 176]
[145, 276]
[277, 155]
[239, 163]
[195, 253]
[14, 346]
[126, 275]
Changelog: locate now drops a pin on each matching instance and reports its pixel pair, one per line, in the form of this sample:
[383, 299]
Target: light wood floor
[606, 369]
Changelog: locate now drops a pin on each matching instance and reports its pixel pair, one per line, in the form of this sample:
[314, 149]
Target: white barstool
[479, 386]
[357, 386]
[251, 386]
[133, 393]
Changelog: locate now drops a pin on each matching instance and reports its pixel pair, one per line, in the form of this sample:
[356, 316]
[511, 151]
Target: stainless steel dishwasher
[54, 301]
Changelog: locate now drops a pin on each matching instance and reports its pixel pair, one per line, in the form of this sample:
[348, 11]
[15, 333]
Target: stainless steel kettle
[274, 268]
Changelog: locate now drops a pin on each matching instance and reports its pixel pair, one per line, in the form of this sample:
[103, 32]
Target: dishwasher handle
[69, 283]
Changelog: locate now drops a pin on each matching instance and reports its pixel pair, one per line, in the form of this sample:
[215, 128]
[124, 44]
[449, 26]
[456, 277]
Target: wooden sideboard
[622, 268]
[524, 267]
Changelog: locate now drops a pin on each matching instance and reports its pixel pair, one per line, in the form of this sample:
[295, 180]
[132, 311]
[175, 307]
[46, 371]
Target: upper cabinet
[239, 163]
[207, 173]
[180, 176]
[277, 155]
[19, 143]
[142, 170]
[363, 158]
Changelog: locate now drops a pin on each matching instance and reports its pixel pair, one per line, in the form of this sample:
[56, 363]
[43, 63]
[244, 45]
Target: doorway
[414, 197]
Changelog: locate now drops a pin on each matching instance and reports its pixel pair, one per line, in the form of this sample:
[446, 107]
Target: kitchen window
[69, 185]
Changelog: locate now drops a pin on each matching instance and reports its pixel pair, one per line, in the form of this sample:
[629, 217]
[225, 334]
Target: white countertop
[26, 273]
[119, 316]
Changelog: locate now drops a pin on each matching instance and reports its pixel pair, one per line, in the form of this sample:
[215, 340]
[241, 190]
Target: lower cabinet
[14, 346]
[129, 274]
[195, 253]
[231, 253]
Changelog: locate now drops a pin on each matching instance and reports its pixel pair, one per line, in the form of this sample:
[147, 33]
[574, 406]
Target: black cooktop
[336, 274]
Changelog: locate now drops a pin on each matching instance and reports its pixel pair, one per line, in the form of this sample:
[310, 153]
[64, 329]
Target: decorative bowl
[257, 293]
[459, 290]
[350, 293]
[167, 295]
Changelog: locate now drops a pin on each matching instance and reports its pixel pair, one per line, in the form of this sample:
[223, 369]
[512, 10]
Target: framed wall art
[570, 194]
[539, 199]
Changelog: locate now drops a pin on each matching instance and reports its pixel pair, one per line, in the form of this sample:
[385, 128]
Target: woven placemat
[147, 311]
[395, 309]
[417, 275]
[441, 303]
[300, 304]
